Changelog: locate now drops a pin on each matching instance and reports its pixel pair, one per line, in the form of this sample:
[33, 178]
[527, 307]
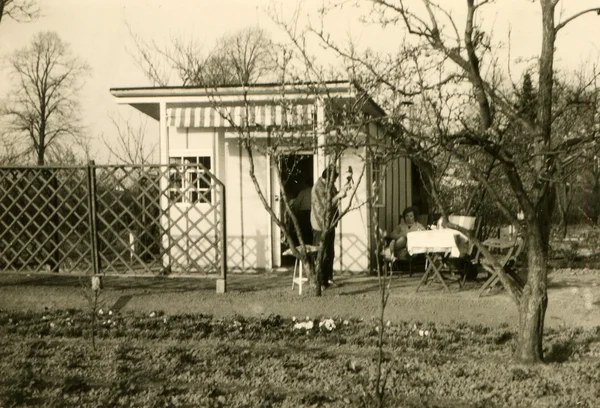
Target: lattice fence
[159, 219]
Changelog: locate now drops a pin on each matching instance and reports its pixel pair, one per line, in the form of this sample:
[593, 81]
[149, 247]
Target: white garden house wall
[202, 124]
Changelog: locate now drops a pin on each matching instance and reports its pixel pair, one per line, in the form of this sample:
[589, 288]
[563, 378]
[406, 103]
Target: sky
[97, 31]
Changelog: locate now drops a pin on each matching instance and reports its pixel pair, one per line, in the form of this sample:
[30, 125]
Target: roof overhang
[147, 99]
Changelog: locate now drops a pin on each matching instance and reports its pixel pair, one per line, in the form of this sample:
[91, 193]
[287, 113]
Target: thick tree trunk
[318, 270]
[533, 302]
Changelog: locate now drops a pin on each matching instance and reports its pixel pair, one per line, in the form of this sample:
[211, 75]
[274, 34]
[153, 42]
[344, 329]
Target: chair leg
[489, 283]
[295, 272]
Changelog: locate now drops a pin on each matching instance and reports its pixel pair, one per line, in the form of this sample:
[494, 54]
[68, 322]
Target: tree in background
[19, 10]
[43, 109]
[131, 146]
[240, 58]
[576, 114]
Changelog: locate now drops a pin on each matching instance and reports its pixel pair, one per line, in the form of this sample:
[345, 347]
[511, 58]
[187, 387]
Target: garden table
[436, 245]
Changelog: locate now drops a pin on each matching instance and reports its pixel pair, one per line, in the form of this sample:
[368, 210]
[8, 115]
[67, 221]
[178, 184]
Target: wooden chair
[505, 252]
[471, 224]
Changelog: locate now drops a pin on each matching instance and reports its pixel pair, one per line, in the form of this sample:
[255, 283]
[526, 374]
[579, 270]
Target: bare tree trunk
[318, 270]
[533, 301]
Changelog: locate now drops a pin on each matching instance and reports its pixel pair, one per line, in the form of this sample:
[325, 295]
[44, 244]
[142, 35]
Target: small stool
[298, 278]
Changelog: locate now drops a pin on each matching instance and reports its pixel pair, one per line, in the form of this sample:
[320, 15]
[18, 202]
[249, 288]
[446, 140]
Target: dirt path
[574, 298]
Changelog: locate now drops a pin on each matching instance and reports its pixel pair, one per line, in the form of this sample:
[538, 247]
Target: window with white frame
[189, 181]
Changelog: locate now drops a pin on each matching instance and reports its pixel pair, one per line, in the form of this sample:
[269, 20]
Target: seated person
[407, 224]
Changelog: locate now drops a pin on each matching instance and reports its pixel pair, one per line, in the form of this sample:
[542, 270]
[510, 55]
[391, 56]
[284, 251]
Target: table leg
[429, 269]
[432, 271]
[438, 273]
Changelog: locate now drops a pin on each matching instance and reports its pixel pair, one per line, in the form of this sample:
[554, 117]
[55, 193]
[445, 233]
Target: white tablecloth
[445, 240]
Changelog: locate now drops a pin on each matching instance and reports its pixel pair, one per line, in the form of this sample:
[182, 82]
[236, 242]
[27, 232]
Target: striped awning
[233, 116]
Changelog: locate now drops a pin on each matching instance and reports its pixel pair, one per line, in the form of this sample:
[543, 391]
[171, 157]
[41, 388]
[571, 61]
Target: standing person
[324, 211]
[409, 224]
[301, 208]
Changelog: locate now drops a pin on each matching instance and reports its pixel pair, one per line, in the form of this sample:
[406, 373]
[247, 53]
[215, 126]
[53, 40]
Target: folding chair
[471, 224]
[414, 263]
[505, 252]
[389, 261]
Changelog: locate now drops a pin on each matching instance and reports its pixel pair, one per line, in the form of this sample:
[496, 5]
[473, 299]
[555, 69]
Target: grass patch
[144, 360]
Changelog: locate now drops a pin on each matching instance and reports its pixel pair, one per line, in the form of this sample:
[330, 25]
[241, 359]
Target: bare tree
[130, 146]
[43, 107]
[576, 112]
[529, 164]
[19, 10]
[10, 153]
[247, 56]
[241, 58]
[464, 114]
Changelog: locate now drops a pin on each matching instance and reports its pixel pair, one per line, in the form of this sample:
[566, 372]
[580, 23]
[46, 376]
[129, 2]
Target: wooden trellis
[135, 220]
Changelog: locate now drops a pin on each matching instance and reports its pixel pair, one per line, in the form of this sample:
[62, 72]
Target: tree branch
[573, 17]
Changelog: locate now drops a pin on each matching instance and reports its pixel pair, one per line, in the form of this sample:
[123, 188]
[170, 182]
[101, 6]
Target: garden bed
[158, 360]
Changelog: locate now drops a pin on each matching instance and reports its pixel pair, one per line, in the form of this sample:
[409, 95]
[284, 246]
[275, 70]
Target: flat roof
[137, 96]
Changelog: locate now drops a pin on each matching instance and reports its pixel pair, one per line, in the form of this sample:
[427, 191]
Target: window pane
[193, 178]
[174, 179]
[176, 196]
[204, 181]
[205, 196]
[205, 162]
[190, 182]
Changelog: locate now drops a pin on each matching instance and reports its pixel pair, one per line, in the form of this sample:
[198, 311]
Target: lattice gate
[135, 220]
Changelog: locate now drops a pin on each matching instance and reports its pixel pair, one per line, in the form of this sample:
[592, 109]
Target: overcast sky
[97, 32]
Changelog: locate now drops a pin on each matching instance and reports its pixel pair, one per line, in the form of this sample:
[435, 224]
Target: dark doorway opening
[297, 178]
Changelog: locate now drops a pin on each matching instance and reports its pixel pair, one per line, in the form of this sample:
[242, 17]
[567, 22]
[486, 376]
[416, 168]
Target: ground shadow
[564, 281]
[357, 288]
[121, 302]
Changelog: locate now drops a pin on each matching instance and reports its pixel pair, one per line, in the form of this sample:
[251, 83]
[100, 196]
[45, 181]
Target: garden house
[204, 125]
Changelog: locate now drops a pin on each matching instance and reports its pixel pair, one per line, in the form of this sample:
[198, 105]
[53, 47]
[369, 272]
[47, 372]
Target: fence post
[49, 176]
[222, 282]
[91, 173]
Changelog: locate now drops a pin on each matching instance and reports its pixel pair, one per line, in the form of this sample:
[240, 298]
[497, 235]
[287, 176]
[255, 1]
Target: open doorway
[297, 176]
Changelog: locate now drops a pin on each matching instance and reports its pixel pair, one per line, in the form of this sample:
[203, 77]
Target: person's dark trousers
[328, 254]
